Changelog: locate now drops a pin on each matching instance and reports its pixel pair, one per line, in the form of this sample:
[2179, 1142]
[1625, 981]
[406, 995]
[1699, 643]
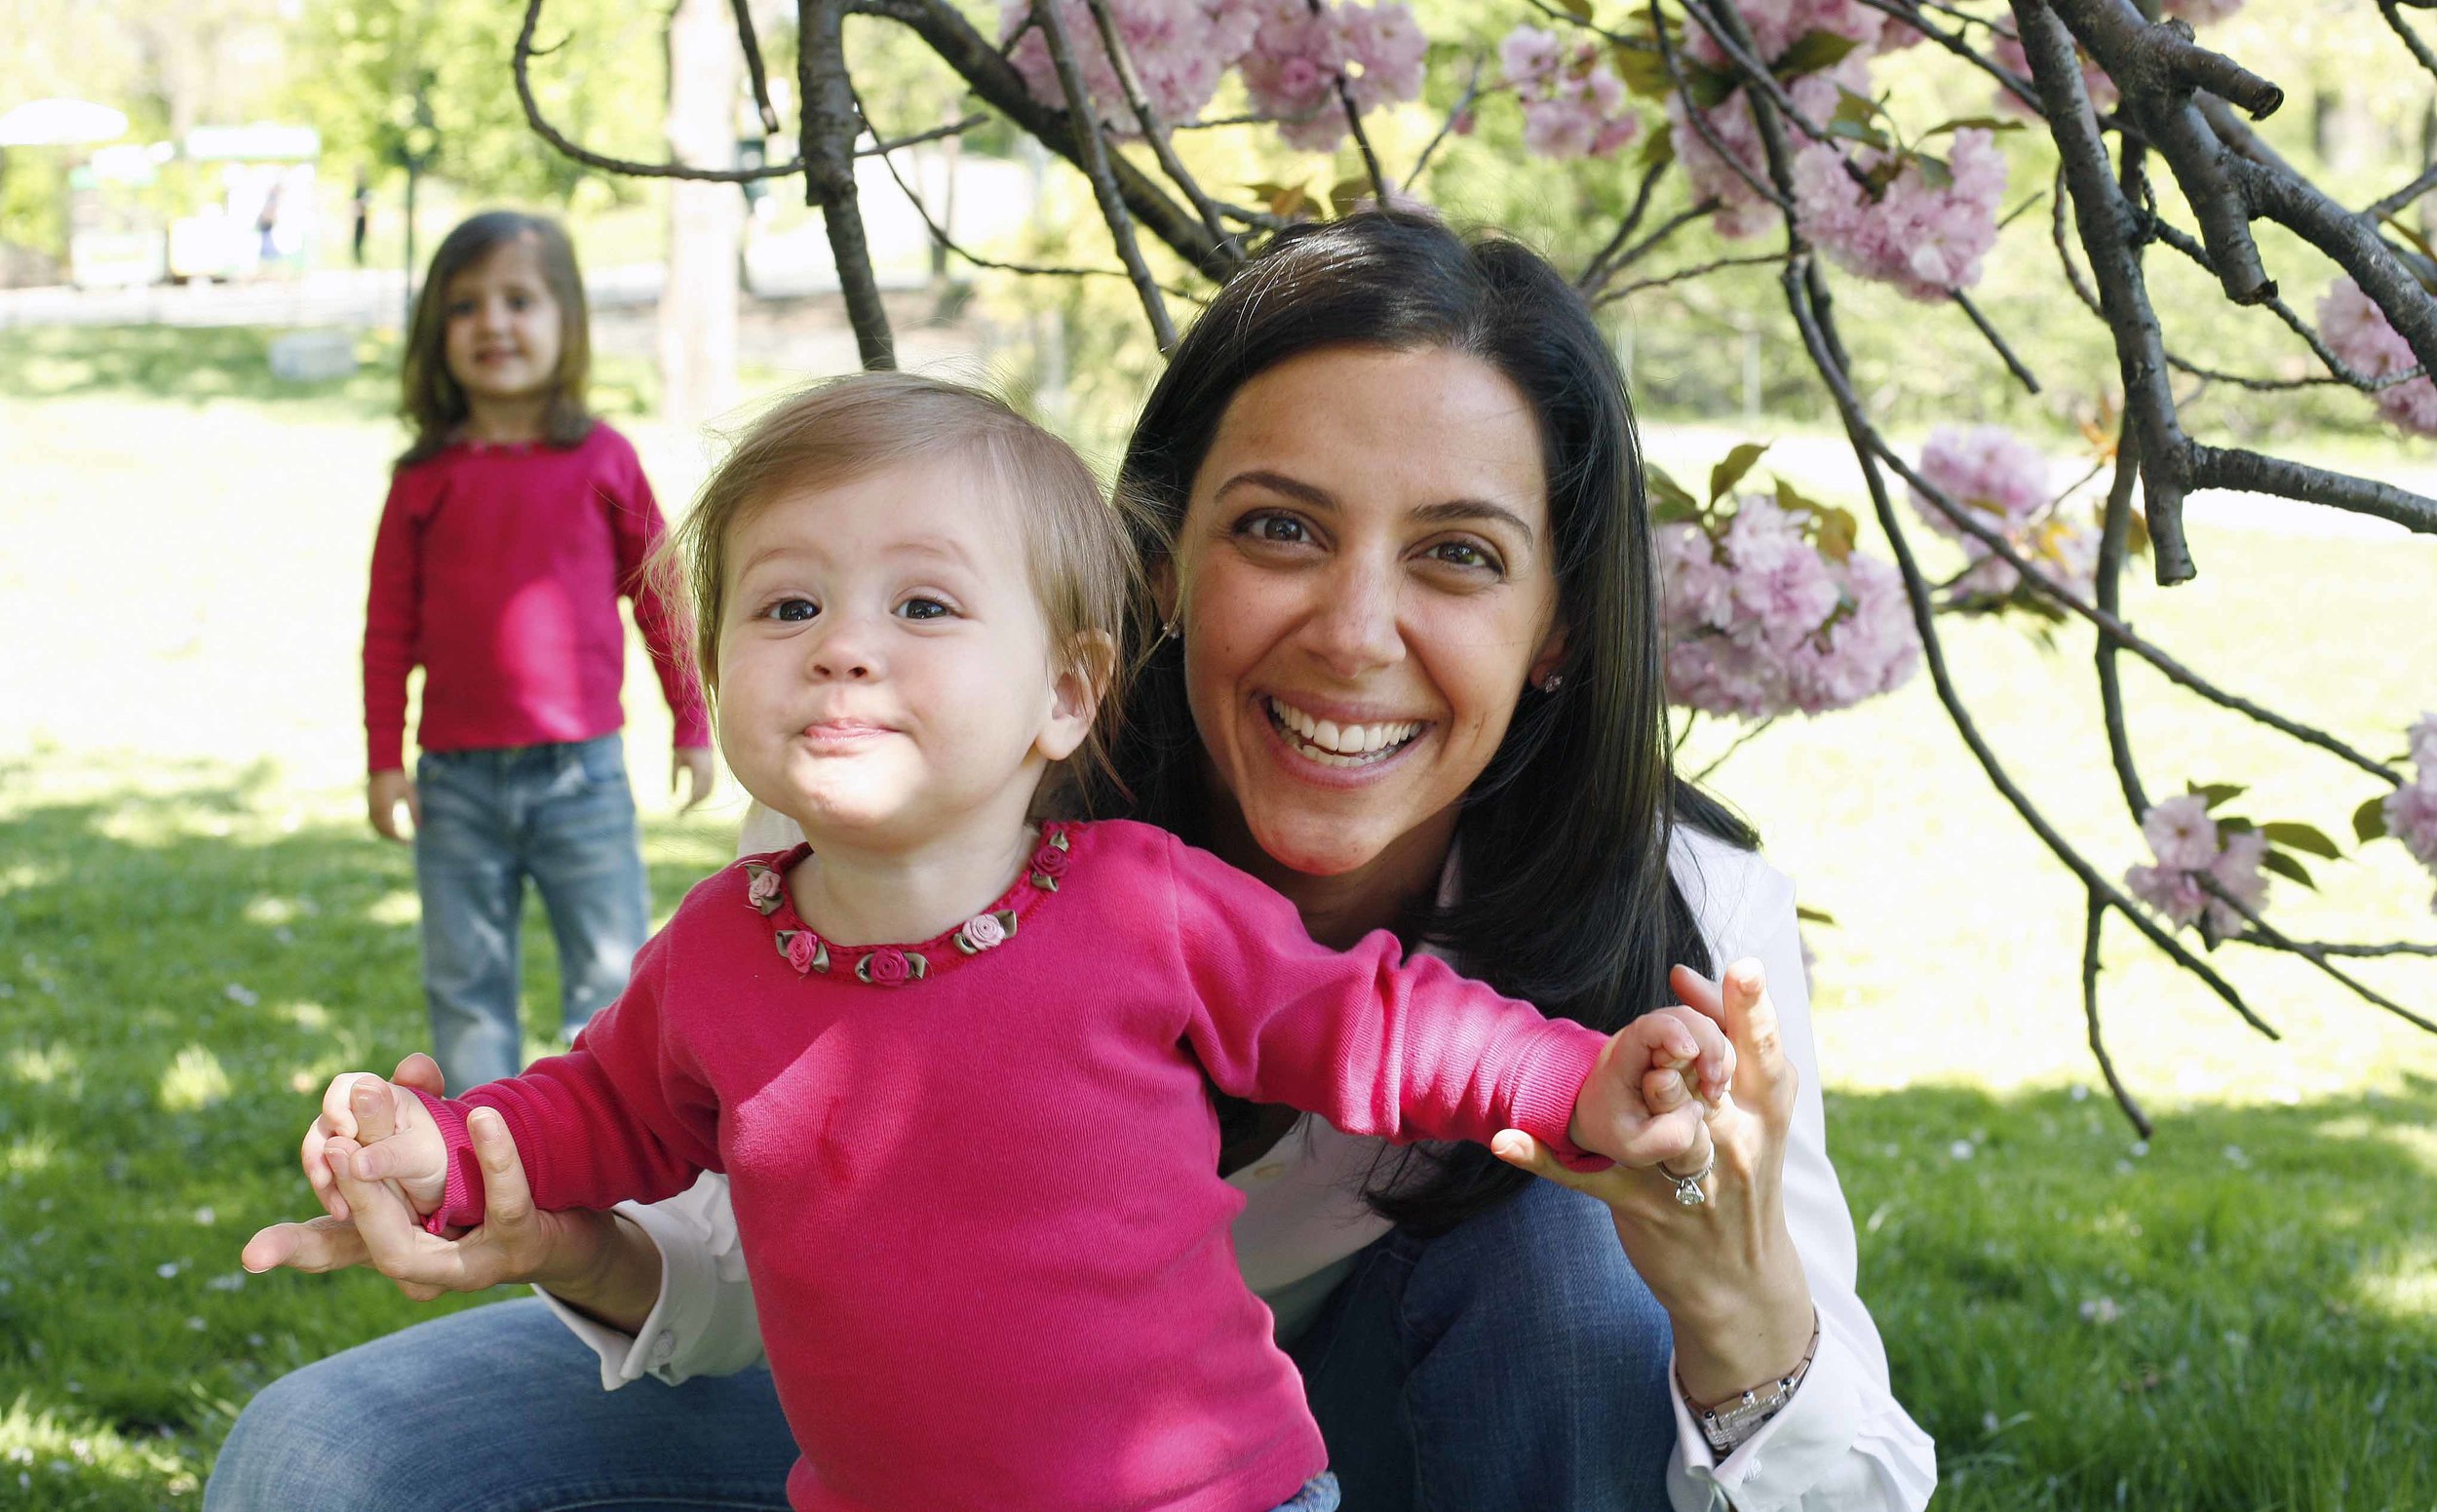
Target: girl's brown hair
[1078, 547]
[432, 402]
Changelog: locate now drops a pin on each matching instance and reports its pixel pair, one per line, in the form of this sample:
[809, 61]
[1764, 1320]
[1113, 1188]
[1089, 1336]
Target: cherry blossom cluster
[1925, 237]
[1289, 53]
[1297, 55]
[2356, 330]
[2411, 810]
[2189, 845]
[1574, 105]
[1741, 211]
[1180, 49]
[1759, 621]
[1988, 469]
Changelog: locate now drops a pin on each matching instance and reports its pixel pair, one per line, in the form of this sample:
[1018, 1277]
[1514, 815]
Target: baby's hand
[384, 1132]
[1653, 1087]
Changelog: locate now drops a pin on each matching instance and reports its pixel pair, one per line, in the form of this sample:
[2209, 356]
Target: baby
[952, 1058]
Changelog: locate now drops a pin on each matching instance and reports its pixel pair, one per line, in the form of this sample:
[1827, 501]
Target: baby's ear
[1084, 674]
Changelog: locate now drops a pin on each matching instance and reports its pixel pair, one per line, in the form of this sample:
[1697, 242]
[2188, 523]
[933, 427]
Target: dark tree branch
[1129, 79]
[2411, 39]
[2269, 935]
[526, 52]
[990, 76]
[1464, 105]
[1595, 273]
[2013, 363]
[2224, 467]
[754, 69]
[1686, 275]
[1094, 161]
[830, 124]
[2094, 921]
[958, 127]
[1701, 127]
[2404, 197]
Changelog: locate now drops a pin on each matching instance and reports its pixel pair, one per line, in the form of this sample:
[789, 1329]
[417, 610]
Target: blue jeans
[560, 815]
[1516, 1364]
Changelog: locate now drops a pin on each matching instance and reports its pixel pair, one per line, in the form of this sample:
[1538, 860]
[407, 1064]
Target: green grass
[195, 930]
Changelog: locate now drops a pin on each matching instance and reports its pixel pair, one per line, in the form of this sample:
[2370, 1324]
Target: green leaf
[1579, 9]
[1668, 494]
[2216, 792]
[2231, 825]
[1811, 51]
[2282, 865]
[1811, 915]
[1975, 122]
[1642, 71]
[1859, 109]
[1934, 171]
[1346, 193]
[1855, 131]
[1726, 474]
[2369, 821]
[1708, 87]
[1838, 533]
[2301, 838]
[1660, 150]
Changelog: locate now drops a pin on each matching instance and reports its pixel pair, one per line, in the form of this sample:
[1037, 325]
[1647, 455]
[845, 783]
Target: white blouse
[1842, 1443]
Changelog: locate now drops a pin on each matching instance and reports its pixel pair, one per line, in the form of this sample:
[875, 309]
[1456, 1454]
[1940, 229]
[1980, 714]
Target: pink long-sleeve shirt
[980, 1208]
[498, 570]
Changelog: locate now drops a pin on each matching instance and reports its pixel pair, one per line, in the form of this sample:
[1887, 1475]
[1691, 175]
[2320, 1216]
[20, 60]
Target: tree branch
[1129, 79]
[830, 124]
[753, 70]
[2094, 920]
[1094, 162]
[526, 52]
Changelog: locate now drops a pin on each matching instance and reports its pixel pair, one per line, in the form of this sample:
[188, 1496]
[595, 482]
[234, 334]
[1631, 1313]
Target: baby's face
[885, 667]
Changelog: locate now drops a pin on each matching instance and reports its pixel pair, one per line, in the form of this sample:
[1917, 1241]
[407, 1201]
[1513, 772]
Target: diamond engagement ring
[1689, 1187]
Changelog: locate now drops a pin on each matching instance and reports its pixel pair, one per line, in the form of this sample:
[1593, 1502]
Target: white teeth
[1341, 745]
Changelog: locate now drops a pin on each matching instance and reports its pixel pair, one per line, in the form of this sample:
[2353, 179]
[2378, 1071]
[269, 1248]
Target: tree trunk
[698, 299]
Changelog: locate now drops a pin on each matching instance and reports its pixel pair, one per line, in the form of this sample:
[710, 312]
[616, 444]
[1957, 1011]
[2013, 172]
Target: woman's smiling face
[1364, 583]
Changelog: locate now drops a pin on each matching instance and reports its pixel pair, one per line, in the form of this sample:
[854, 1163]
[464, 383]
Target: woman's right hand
[589, 1258]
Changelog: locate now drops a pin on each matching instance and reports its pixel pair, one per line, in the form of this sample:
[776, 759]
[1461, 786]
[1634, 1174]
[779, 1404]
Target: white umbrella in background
[60, 123]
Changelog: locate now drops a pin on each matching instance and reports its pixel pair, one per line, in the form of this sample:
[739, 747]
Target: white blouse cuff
[688, 1286]
[1792, 1456]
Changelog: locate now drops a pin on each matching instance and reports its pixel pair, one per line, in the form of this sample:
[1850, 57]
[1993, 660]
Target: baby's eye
[924, 608]
[793, 611]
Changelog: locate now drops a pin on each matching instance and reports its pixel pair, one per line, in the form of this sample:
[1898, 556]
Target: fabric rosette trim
[986, 932]
[803, 950]
[895, 965]
[1050, 862]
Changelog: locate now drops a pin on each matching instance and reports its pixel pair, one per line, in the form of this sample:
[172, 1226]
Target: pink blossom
[2411, 812]
[2002, 480]
[2190, 845]
[2356, 330]
[1294, 57]
[1180, 49]
[1777, 24]
[1927, 240]
[2201, 13]
[1742, 213]
[2181, 832]
[1760, 623]
[2423, 738]
[1573, 103]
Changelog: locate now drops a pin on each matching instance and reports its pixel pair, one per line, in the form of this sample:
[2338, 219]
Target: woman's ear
[1552, 652]
[1164, 589]
[1082, 681]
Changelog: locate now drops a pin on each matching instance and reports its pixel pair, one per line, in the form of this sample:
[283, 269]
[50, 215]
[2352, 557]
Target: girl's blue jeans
[560, 816]
[1515, 1364]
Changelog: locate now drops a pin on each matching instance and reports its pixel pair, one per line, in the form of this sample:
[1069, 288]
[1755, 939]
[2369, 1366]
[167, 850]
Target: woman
[1410, 677]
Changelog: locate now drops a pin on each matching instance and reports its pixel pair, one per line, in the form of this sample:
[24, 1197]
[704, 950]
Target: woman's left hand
[1726, 1269]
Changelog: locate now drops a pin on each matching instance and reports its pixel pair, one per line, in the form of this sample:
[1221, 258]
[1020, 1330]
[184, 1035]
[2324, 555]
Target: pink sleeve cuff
[461, 1203]
[1549, 1078]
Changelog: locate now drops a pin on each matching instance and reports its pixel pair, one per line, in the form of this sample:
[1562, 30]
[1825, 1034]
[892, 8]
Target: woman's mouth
[1332, 744]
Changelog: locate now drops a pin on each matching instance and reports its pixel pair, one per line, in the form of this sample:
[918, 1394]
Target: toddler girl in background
[515, 523]
[952, 1058]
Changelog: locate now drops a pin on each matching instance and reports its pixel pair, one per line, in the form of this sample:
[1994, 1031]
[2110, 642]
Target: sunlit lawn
[195, 930]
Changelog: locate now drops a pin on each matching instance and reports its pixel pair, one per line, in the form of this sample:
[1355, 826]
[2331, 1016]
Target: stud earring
[1552, 683]
[1169, 631]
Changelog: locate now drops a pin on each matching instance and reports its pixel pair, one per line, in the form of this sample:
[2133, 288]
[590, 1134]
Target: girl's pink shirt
[498, 569]
[980, 1210]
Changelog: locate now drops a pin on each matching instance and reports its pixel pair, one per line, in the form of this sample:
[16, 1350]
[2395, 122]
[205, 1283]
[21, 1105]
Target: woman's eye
[1283, 528]
[793, 611]
[1462, 554]
[520, 303]
[924, 608]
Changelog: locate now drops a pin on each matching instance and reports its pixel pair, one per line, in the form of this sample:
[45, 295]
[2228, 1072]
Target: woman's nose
[1354, 626]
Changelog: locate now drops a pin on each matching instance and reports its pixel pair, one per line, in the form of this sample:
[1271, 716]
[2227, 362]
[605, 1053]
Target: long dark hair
[431, 402]
[1566, 900]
